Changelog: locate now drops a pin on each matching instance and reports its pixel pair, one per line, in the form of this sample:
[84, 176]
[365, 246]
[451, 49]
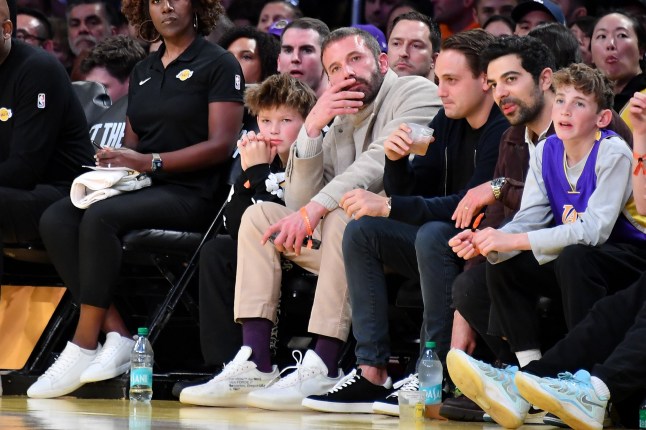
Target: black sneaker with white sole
[461, 408]
[352, 394]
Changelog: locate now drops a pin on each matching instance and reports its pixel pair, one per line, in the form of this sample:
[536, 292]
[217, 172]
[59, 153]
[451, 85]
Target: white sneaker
[231, 386]
[113, 360]
[308, 378]
[63, 376]
[390, 404]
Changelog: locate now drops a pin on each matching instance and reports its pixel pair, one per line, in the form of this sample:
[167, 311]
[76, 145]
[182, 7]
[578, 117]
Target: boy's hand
[359, 202]
[462, 245]
[334, 101]
[490, 239]
[472, 202]
[255, 149]
[637, 109]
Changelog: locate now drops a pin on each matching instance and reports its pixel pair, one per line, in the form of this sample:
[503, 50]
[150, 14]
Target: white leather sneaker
[63, 376]
[231, 386]
[308, 378]
[113, 360]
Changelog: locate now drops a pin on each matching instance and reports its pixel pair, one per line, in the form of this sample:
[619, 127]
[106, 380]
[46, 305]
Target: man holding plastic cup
[408, 231]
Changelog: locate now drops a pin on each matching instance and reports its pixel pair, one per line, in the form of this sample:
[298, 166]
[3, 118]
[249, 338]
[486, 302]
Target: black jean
[220, 335]
[85, 244]
[471, 299]
[369, 244]
[579, 277]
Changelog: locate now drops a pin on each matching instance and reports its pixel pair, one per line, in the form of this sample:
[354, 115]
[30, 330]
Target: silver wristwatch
[157, 163]
[496, 186]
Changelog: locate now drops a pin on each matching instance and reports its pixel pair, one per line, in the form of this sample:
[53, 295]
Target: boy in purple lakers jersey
[575, 208]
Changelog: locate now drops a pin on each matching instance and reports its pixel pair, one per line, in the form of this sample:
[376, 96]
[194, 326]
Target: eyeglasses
[28, 38]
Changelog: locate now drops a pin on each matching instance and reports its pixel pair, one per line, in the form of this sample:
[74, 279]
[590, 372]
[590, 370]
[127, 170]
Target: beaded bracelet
[640, 164]
[308, 227]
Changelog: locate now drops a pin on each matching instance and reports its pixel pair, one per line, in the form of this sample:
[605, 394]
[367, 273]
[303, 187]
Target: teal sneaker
[491, 388]
[570, 397]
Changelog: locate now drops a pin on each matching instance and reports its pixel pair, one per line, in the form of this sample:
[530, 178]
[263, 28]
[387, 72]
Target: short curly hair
[588, 81]
[278, 91]
[208, 13]
[117, 54]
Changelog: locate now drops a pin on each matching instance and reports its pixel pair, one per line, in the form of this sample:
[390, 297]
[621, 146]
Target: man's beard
[525, 113]
[372, 87]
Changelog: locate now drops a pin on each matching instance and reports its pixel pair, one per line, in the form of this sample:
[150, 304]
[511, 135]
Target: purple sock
[256, 333]
[329, 349]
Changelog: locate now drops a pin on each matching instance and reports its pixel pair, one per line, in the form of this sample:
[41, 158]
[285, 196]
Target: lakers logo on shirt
[5, 114]
[570, 215]
[184, 75]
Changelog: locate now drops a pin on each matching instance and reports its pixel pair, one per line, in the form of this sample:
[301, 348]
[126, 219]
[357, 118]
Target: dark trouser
[471, 299]
[579, 277]
[610, 342]
[20, 211]
[85, 245]
[368, 245]
[220, 335]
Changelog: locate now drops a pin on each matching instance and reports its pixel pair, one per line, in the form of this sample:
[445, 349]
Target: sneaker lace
[566, 383]
[105, 352]
[300, 372]
[59, 367]
[346, 381]
[411, 383]
[230, 369]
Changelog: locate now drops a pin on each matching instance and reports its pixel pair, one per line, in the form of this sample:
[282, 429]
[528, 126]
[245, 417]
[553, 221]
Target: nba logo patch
[237, 83]
[41, 101]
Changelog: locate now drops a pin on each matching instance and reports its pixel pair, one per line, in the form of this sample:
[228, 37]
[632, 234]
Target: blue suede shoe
[491, 388]
[570, 397]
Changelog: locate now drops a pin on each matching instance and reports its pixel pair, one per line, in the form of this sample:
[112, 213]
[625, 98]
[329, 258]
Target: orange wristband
[640, 164]
[308, 227]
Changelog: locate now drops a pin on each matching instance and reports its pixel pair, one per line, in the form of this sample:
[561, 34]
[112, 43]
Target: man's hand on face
[334, 101]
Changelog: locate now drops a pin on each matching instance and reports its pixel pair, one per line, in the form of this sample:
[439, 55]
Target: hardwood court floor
[19, 413]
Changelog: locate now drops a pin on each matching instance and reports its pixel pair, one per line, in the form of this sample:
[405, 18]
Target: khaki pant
[258, 277]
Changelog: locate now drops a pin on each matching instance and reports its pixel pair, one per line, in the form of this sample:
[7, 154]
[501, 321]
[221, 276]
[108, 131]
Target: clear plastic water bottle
[141, 368]
[430, 374]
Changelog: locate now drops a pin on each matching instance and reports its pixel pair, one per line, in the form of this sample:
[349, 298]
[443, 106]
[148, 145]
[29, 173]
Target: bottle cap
[142, 331]
[430, 344]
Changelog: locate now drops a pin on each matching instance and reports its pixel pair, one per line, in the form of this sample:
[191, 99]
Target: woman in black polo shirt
[184, 115]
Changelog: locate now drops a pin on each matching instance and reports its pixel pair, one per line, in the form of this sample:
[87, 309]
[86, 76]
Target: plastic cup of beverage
[411, 405]
[421, 137]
